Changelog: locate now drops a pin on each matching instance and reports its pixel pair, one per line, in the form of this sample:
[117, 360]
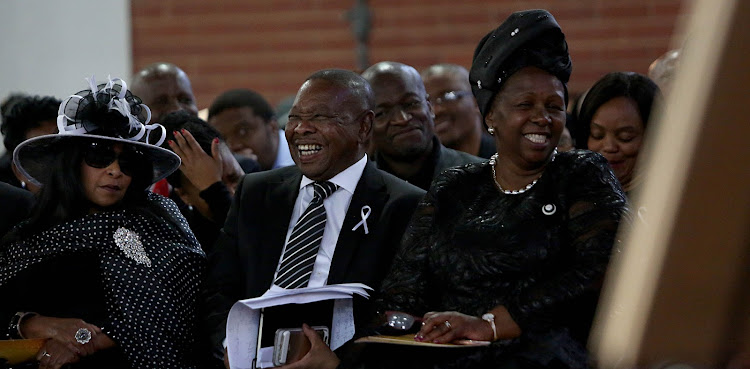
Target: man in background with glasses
[458, 122]
[403, 128]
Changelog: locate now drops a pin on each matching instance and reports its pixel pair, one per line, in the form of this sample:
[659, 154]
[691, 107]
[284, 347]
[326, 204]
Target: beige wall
[49, 47]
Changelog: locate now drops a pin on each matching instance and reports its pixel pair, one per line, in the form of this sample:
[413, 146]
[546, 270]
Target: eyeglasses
[448, 97]
[101, 155]
[320, 119]
[384, 115]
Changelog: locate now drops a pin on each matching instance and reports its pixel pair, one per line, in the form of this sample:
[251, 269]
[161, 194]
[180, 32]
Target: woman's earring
[491, 130]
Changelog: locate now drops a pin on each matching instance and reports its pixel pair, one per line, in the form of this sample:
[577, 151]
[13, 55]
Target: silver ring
[83, 336]
[447, 324]
[46, 354]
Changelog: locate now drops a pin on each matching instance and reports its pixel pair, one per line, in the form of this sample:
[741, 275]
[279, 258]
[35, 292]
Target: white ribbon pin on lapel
[364, 212]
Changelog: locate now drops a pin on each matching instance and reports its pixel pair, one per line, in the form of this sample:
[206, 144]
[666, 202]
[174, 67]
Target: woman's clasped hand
[68, 339]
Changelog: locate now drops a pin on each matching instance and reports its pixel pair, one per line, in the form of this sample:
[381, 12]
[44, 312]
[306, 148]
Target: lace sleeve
[596, 204]
[406, 286]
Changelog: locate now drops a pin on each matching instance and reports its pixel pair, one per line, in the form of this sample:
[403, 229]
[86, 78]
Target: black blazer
[249, 246]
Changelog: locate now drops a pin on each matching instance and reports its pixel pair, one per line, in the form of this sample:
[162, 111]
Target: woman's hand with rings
[54, 354]
[69, 332]
[447, 326]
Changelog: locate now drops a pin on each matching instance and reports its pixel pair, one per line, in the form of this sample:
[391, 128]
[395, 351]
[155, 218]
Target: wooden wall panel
[679, 290]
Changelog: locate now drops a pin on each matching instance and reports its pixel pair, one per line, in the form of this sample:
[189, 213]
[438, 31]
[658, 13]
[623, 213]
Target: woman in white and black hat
[104, 270]
[509, 250]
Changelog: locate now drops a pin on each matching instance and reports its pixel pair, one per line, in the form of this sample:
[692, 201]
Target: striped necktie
[304, 242]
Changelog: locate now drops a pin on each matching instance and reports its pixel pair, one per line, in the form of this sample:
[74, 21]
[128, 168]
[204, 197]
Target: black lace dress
[541, 254]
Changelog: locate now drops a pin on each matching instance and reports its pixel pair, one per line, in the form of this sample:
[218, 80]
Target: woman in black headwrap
[105, 272]
[512, 250]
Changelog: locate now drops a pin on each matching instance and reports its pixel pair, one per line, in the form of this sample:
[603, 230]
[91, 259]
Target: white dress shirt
[336, 206]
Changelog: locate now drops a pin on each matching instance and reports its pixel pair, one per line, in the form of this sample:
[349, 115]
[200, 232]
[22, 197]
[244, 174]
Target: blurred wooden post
[360, 18]
[680, 290]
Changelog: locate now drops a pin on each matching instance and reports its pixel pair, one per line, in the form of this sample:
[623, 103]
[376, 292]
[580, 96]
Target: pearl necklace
[493, 161]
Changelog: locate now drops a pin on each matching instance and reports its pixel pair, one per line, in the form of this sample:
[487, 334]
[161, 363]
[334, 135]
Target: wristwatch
[490, 318]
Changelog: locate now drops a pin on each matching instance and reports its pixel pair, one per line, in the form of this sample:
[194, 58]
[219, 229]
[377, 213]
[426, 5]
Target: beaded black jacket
[470, 248]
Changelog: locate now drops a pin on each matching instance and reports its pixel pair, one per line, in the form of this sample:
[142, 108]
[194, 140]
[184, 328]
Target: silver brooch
[549, 209]
[129, 242]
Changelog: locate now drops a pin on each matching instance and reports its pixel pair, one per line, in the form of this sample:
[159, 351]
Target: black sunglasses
[101, 155]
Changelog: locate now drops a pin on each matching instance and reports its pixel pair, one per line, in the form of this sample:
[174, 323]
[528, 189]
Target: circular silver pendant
[549, 209]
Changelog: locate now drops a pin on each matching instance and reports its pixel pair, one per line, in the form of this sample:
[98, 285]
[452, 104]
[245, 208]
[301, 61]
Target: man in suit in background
[329, 124]
[403, 129]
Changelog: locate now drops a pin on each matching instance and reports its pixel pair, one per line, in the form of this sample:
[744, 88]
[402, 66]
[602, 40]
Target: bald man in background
[403, 128]
[164, 88]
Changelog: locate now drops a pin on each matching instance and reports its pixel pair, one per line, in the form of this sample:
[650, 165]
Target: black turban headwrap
[529, 38]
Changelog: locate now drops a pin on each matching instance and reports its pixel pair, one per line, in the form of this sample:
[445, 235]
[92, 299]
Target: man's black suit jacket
[247, 252]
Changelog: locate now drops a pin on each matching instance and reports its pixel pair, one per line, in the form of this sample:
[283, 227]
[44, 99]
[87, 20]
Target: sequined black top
[470, 248]
[132, 272]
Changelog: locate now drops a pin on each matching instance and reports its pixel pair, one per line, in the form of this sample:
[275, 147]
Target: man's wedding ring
[447, 324]
[45, 353]
[83, 336]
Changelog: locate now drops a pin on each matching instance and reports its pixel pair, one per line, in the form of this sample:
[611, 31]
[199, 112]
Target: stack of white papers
[280, 296]
[244, 318]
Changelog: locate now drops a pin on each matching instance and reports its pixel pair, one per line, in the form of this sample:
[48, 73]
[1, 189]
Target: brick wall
[272, 45]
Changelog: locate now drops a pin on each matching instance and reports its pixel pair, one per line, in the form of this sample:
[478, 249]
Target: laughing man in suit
[329, 125]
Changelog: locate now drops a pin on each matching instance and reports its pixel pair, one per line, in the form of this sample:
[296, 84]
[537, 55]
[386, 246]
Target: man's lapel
[279, 204]
[371, 191]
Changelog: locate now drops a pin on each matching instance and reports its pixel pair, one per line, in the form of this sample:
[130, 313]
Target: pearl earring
[491, 130]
